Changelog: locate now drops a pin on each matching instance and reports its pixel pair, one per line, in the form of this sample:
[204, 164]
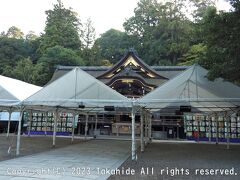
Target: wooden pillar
[19, 132]
[9, 122]
[142, 131]
[86, 127]
[133, 135]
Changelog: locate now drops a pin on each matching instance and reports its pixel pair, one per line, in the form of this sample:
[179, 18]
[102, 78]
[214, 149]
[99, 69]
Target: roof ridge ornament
[132, 50]
[131, 57]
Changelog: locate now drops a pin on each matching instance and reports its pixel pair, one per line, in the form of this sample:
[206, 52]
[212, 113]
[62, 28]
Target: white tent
[194, 89]
[13, 91]
[69, 92]
[74, 89]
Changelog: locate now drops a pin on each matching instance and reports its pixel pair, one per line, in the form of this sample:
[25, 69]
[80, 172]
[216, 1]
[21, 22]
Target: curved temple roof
[131, 57]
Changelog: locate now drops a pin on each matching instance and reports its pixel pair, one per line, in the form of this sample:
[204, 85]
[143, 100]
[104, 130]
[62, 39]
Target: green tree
[31, 36]
[178, 28]
[89, 34]
[14, 32]
[26, 71]
[58, 55]
[105, 62]
[221, 32]
[62, 29]
[113, 45]
[161, 30]
[60, 44]
[196, 54]
[92, 56]
[12, 50]
[18, 54]
[200, 7]
[90, 52]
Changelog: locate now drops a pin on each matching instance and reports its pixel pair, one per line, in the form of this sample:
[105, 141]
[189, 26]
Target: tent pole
[95, 129]
[150, 127]
[198, 124]
[142, 140]
[75, 117]
[79, 126]
[133, 135]
[86, 127]
[30, 122]
[46, 121]
[177, 131]
[117, 127]
[216, 119]
[55, 128]
[9, 122]
[146, 128]
[209, 128]
[19, 132]
[228, 118]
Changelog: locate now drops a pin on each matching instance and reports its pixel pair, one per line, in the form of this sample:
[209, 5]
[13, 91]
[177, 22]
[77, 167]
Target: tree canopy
[62, 28]
[163, 33]
[113, 45]
[222, 37]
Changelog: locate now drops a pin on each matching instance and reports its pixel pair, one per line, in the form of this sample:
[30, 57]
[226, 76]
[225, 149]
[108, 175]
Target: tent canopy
[74, 89]
[192, 88]
[13, 91]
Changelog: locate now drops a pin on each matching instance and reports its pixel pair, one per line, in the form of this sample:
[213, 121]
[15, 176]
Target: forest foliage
[180, 32]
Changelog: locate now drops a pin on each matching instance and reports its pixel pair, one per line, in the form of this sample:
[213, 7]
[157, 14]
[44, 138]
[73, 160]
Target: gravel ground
[30, 145]
[175, 160]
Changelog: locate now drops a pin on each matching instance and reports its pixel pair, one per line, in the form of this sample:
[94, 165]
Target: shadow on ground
[31, 145]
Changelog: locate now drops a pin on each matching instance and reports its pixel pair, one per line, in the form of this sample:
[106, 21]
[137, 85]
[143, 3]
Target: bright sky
[29, 15]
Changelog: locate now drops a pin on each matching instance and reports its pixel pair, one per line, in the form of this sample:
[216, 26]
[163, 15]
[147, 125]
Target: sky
[29, 15]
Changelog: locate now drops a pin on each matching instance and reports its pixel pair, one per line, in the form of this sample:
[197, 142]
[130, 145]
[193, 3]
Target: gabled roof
[166, 71]
[131, 57]
[13, 90]
[193, 88]
[73, 89]
[131, 75]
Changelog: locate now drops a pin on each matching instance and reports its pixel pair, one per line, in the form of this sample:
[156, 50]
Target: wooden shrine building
[133, 78]
[130, 76]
